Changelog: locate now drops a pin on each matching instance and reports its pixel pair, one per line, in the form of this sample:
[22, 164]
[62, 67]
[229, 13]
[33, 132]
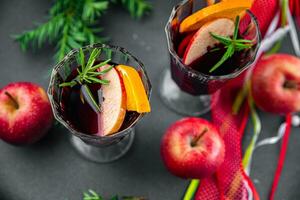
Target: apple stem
[195, 141]
[13, 100]
[291, 84]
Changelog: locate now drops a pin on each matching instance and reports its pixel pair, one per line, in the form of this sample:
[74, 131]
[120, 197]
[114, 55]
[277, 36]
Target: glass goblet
[97, 148]
[186, 90]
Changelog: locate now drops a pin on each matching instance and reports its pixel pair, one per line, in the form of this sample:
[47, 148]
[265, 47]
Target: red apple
[276, 84]
[192, 148]
[25, 113]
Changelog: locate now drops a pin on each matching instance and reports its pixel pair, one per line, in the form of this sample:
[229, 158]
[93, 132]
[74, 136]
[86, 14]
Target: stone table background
[52, 170]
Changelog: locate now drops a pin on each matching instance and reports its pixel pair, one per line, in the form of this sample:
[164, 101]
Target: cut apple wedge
[210, 2]
[113, 107]
[183, 44]
[225, 9]
[202, 40]
[137, 99]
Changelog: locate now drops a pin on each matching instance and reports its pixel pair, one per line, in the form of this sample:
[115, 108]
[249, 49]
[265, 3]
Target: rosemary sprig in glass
[88, 74]
[231, 44]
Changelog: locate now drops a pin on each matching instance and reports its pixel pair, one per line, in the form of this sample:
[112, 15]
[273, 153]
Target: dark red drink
[196, 78]
[80, 115]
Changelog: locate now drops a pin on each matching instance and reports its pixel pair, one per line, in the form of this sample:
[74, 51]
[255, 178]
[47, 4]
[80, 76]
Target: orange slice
[242, 14]
[242, 0]
[225, 9]
[137, 99]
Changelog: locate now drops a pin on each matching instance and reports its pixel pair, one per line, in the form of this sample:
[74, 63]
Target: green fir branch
[136, 8]
[37, 37]
[93, 9]
[73, 23]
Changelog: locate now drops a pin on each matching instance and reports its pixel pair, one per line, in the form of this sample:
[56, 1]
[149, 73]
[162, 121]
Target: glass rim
[200, 75]
[65, 123]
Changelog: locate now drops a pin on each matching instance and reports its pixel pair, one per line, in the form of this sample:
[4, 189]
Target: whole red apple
[25, 113]
[192, 148]
[276, 83]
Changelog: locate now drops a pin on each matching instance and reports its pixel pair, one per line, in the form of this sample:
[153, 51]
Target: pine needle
[72, 24]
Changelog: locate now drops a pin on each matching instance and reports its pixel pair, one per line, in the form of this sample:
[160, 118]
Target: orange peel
[137, 99]
[225, 9]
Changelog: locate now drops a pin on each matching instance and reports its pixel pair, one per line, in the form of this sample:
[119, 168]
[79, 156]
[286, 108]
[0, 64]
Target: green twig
[191, 190]
[136, 8]
[257, 129]
[240, 98]
[277, 45]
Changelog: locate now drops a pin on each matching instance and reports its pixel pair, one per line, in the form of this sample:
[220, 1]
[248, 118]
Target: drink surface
[208, 60]
[199, 63]
[203, 64]
[80, 115]
[201, 84]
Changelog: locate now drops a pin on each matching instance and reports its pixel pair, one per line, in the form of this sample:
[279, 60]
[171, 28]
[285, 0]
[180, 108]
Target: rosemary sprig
[88, 74]
[74, 23]
[136, 8]
[92, 195]
[231, 44]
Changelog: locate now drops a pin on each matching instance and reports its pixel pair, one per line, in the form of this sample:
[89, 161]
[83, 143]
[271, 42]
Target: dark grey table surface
[52, 170]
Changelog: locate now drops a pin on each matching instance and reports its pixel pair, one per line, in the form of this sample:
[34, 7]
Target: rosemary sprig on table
[231, 44]
[136, 8]
[75, 23]
[88, 74]
[92, 195]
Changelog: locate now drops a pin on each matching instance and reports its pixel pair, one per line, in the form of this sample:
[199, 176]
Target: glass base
[181, 102]
[103, 154]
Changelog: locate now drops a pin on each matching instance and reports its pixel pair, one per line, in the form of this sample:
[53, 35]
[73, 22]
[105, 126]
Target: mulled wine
[102, 98]
[209, 59]
[99, 93]
[80, 115]
[199, 39]
[203, 65]
[210, 43]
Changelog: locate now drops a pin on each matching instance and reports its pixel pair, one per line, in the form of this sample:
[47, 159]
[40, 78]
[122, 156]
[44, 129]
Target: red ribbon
[229, 183]
[221, 186]
[282, 156]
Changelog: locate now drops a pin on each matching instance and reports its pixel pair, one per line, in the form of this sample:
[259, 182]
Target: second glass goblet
[187, 90]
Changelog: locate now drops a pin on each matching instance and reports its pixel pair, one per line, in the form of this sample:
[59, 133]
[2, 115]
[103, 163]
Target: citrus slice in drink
[225, 9]
[137, 99]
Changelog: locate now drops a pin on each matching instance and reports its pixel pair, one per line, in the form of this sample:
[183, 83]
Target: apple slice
[200, 42]
[113, 107]
[183, 44]
[210, 2]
